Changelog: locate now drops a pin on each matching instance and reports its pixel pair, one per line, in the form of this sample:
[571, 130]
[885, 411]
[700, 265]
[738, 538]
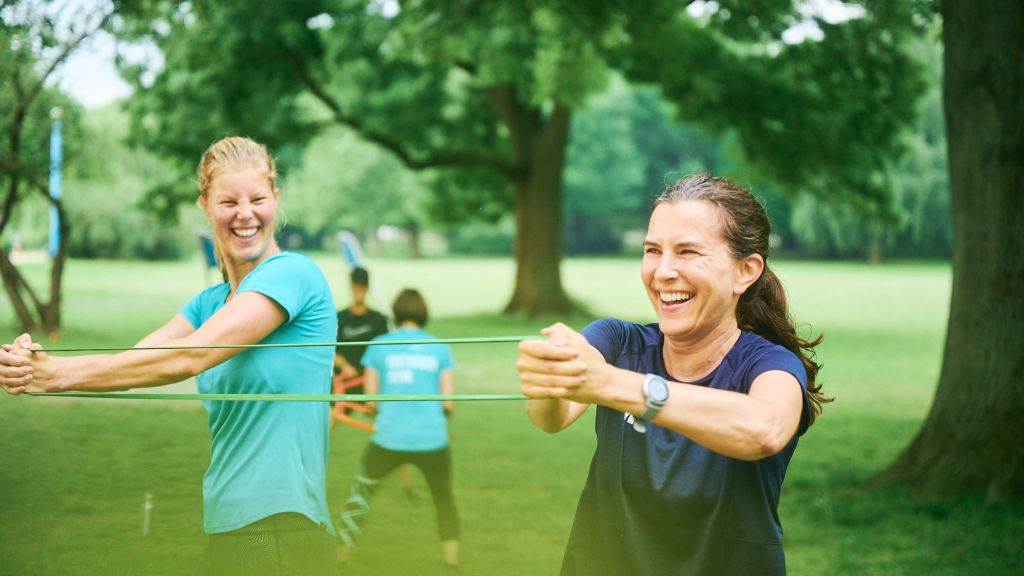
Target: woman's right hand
[16, 365]
[551, 368]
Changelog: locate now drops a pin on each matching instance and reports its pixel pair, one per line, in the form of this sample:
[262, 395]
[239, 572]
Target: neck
[689, 360]
[408, 324]
[239, 270]
[358, 308]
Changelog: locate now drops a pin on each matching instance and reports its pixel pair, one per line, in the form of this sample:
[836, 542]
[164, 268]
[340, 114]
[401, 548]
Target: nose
[244, 209]
[664, 270]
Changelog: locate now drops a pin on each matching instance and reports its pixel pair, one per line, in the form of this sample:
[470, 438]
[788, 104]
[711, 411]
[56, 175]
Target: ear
[748, 270]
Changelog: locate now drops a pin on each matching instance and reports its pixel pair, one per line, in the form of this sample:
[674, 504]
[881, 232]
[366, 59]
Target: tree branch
[438, 159]
[520, 120]
[13, 171]
[9, 199]
[70, 47]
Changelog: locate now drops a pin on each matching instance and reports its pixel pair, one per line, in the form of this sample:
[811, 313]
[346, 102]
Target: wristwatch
[655, 391]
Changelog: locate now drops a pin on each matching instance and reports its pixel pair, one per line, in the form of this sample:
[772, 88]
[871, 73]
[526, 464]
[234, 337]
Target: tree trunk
[12, 281]
[47, 315]
[538, 287]
[415, 233]
[51, 315]
[970, 441]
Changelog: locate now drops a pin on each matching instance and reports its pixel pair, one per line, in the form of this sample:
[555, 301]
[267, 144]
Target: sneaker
[344, 554]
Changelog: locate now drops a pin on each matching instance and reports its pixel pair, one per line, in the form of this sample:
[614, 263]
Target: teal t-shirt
[270, 457]
[410, 369]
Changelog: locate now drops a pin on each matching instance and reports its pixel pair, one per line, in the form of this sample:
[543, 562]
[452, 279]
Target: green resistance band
[295, 397]
[286, 397]
[487, 340]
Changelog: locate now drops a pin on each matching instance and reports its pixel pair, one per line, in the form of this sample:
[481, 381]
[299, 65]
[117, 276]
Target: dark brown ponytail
[763, 308]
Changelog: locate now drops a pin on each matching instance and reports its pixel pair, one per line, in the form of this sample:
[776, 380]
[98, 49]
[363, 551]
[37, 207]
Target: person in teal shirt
[264, 494]
[408, 432]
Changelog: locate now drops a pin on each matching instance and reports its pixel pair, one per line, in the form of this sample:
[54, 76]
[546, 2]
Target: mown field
[75, 473]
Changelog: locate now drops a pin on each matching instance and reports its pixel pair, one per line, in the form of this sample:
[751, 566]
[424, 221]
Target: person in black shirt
[357, 323]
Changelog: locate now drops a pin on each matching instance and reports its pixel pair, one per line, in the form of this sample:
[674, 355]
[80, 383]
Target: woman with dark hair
[698, 414]
[407, 432]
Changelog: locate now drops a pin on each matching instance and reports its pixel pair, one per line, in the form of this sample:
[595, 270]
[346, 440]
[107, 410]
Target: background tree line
[624, 146]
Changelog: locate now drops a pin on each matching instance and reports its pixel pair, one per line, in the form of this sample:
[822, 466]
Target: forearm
[729, 423]
[371, 386]
[130, 369]
[342, 365]
[447, 389]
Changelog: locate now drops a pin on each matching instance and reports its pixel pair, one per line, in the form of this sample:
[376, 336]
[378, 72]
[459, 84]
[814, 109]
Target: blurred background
[503, 157]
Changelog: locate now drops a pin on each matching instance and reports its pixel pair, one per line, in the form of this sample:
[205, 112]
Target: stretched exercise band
[295, 397]
[286, 397]
[487, 340]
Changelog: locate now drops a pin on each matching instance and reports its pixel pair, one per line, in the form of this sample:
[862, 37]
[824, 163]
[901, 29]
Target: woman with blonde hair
[264, 496]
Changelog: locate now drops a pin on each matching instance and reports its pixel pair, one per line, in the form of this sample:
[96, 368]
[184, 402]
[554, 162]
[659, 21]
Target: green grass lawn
[74, 473]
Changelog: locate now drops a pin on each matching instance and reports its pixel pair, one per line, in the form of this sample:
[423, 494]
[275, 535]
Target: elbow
[766, 443]
[770, 446]
[192, 362]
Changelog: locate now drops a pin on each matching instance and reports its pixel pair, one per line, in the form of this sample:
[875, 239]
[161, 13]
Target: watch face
[658, 389]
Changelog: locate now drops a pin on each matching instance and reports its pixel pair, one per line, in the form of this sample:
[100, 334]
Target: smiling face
[241, 205]
[691, 277]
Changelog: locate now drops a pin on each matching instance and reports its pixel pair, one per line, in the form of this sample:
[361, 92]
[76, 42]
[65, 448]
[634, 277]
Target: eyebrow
[679, 244]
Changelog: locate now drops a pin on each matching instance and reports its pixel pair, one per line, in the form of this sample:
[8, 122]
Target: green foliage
[104, 190]
[35, 40]
[346, 184]
[918, 181]
[26, 155]
[624, 150]
[605, 173]
[818, 116]
[821, 116]
[483, 239]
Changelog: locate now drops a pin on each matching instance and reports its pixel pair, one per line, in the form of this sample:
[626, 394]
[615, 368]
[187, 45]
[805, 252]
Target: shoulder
[291, 262]
[614, 337]
[292, 280]
[755, 354]
[217, 292]
[202, 305]
[287, 267]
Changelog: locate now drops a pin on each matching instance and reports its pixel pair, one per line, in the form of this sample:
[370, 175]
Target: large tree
[35, 40]
[971, 438]
[484, 91]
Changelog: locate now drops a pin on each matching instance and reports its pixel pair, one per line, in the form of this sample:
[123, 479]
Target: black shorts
[279, 545]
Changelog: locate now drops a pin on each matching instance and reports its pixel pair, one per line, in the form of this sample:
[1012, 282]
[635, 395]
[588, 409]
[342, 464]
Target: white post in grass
[147, 512]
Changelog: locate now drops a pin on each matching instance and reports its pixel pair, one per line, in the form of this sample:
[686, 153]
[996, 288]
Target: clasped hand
[16, 365]
[563, 366]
